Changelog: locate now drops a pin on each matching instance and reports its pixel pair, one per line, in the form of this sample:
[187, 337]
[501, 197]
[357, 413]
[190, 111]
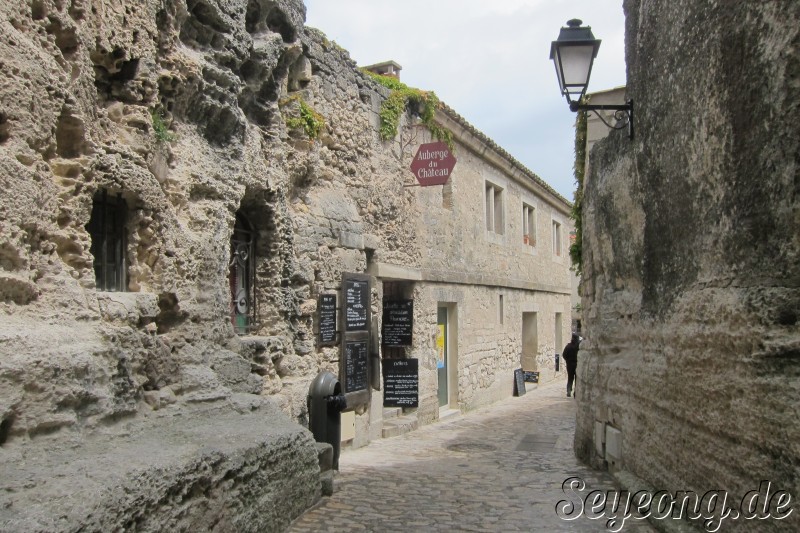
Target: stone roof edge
[517, 169]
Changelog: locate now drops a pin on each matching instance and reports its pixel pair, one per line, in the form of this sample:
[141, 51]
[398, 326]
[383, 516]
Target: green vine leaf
[576, 248]
[404, 98]
[309, 120]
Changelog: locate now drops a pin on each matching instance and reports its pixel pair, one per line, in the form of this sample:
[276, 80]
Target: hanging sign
[433, 164]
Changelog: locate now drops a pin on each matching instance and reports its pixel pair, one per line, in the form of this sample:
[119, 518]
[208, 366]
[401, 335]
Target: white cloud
[487, 60]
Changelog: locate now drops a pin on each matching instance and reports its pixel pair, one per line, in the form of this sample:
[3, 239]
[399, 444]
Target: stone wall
[174, 110]
[691, 272]
[186, 120]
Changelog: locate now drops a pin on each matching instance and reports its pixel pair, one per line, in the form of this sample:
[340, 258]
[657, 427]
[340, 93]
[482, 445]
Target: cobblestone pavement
[496, 469]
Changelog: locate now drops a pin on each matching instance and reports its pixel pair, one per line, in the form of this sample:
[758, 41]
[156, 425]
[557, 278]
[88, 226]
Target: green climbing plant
[160, 128]
[576, 248]
[308, 119]
[403, 98]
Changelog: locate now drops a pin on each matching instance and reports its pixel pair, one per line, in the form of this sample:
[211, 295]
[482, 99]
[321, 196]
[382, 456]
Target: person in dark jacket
[570, 356]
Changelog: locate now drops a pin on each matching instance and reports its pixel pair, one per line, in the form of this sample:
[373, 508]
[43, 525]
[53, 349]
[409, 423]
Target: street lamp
[573, 54]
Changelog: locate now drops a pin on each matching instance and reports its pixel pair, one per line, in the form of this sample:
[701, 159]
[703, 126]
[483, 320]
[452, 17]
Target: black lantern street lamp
[573, 54]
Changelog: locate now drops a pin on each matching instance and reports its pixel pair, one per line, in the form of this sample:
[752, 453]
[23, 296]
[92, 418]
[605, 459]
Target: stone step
[392, 412]
[325, 456]
[399, 426]
[326, 472]
[448, 414]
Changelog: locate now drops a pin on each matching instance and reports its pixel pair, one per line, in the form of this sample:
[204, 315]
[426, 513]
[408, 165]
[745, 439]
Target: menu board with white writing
[356, 304]
[327, 318]
[400, 383]
[398, 322]
[355, 365]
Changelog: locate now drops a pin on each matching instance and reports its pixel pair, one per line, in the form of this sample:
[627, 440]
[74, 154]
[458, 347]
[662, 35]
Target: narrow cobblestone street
[496, 469]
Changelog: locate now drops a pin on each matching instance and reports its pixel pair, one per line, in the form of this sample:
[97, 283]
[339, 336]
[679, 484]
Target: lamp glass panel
[576, 64]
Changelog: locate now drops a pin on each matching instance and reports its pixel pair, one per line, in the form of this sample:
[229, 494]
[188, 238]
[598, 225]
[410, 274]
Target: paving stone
[500, 468]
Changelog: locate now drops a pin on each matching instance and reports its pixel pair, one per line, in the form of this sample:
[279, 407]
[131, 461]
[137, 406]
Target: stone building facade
[181, 182]
[688, 374]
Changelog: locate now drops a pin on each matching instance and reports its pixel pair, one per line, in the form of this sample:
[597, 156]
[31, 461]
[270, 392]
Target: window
[556, 238]
[494, 209]
[558, 339]
[241, 275]
[500, 310]
[528, 225]
[109, 240]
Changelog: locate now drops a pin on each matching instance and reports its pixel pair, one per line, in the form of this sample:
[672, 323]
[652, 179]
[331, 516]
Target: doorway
[447, 355]
[530, 342]
[441, 355]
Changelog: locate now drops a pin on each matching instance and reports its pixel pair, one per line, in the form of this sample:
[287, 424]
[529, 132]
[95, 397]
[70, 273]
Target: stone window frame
[529, 225]
[494, 200]
[501, 312]
[556, 238]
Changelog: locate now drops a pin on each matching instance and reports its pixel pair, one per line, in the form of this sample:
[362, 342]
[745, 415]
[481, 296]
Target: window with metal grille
[241, 276]
[109, 241]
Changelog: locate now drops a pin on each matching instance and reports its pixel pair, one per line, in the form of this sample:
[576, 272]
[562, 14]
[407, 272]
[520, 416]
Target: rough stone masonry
[139, 409]
[689, 374]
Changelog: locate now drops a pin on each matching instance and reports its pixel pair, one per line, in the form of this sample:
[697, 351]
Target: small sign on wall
[401, 383]
[355, 366]
[327, 319]
[356, 304]
[398, 323]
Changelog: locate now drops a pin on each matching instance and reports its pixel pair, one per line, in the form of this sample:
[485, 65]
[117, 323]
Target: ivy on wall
[576, 249]
[403, 98]
[309, 120]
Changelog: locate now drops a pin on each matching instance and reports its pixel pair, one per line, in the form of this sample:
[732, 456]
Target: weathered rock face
[181, 181]
[237, 467]
[691, 304]
[173, 115]
[181, 110]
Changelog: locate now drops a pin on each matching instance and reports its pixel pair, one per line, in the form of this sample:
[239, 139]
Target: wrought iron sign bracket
[623, 113]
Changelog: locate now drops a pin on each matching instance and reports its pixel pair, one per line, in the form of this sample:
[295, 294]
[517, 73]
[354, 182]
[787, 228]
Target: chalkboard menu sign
[327, 318]
[400, 383]
[398, 322]
[356, 304]
[519, 382]
[531, 377]
[355, 365]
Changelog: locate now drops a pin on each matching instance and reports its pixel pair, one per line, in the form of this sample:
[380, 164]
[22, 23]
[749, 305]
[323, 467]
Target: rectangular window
[528, 225]
[494, 209]
[558, 338]
[500, 310]
[109, 240]
[556, 238]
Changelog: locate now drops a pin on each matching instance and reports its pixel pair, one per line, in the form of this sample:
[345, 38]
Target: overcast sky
[487, 59]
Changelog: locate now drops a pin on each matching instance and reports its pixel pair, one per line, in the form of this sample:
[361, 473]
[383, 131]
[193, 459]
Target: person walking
[570, 356]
